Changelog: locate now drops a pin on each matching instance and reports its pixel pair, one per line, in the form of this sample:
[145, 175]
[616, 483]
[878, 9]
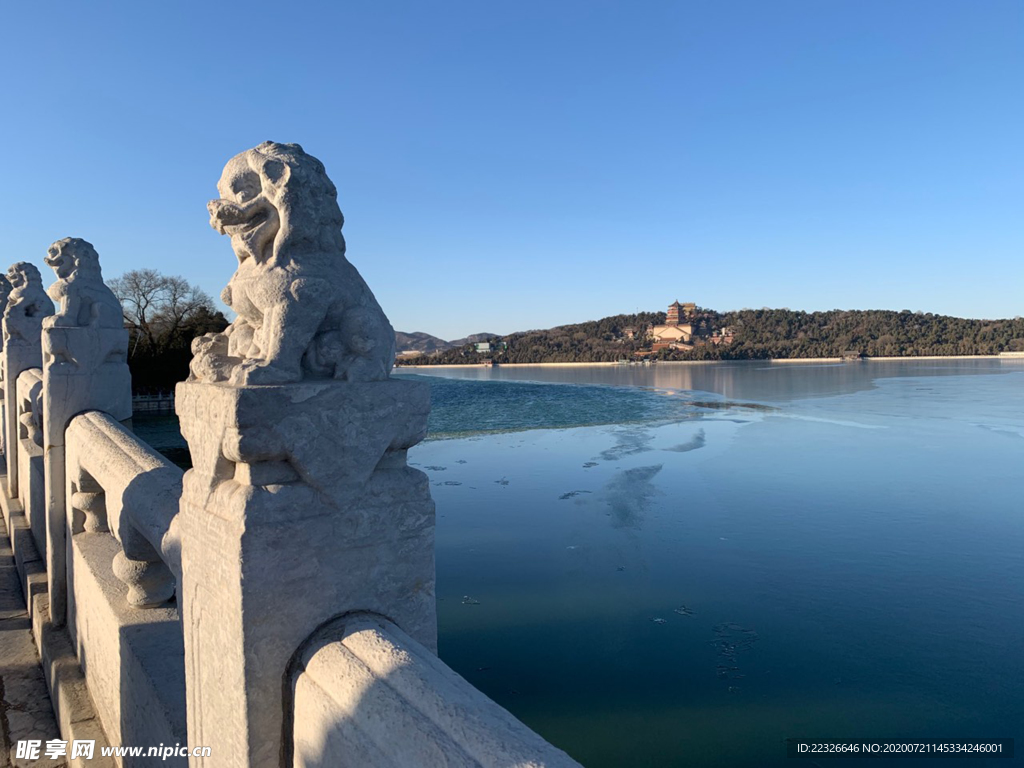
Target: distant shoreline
[887, 359]
[775, 360]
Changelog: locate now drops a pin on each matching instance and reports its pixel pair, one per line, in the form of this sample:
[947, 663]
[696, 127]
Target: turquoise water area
[687, 565]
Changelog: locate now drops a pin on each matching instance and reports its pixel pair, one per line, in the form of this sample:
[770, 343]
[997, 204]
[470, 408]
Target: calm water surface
[686, 565]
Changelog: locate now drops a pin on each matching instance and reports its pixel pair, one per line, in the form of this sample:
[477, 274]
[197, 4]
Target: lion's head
[275, 202]
[22, 275]
[73, 256]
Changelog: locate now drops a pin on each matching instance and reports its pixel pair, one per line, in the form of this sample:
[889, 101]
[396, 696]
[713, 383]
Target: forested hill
[592, 341]
[759, 334]
[762, 333]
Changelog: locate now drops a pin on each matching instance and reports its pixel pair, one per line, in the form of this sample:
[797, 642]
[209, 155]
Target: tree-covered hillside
[763, 333]
[759, 334]
[593, 341]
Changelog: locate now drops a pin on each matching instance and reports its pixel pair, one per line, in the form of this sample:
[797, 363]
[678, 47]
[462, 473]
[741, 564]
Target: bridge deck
[28, 684]
[25, 708]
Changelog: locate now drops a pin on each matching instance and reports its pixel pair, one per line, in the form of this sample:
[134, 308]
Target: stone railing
[360, 667]
[274, 604]
[122, 570]
[119, 484]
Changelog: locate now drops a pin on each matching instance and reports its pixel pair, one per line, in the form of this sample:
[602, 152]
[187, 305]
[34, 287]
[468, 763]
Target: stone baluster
[300, 506]
[85, 368]
[30, 409]
[31, 490]
[27, 306]
[88, 506]
[150, 582]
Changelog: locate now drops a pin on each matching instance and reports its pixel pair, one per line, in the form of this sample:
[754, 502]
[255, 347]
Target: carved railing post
[300, 506]
[27, 305]
[85, 368]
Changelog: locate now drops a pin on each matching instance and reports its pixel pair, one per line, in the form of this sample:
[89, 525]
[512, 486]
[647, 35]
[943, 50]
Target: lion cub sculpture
[303, 310]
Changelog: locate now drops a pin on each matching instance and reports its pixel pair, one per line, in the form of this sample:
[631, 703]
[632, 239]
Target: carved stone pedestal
[300, 508]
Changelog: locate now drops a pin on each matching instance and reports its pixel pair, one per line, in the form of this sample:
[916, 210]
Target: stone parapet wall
[132, 658]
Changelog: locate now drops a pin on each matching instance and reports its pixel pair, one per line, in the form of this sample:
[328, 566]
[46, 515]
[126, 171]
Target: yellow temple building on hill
[677, 330]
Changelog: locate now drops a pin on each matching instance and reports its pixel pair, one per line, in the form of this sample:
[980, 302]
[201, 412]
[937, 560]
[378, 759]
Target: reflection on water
[759, 381]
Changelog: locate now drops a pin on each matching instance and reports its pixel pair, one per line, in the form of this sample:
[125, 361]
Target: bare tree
[157, 308]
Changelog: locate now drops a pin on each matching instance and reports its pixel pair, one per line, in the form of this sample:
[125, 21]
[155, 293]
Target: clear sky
[514, 165]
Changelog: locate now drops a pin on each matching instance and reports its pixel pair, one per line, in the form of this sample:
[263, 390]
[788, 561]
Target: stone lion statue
[27, 305]
[5, 292]
[304, 312]
[85, 300]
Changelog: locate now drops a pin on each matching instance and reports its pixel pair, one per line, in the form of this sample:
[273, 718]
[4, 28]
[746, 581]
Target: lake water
[689, 564]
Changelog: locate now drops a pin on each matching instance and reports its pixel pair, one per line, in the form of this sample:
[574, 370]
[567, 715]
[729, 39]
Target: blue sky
[505, 166]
